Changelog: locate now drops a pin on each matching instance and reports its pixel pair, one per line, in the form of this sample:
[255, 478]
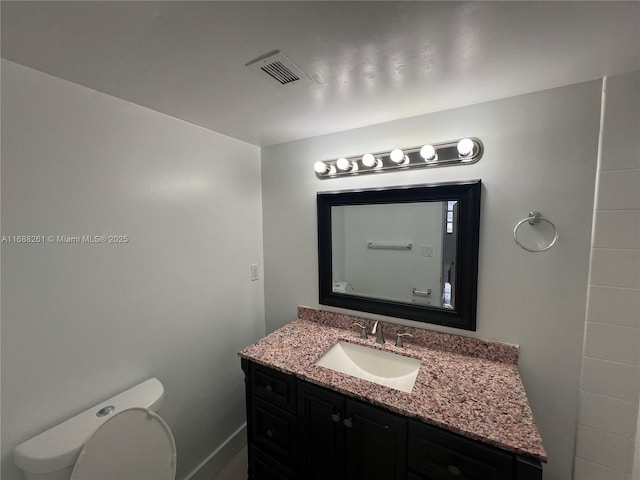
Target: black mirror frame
[467, 194]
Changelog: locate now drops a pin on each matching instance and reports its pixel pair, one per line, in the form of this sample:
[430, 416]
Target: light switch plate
[255, 274]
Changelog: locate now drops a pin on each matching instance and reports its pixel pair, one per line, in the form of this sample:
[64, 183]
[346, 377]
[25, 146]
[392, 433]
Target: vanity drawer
[436, 454]
[263, 467]
[274, 431]
[275, 387]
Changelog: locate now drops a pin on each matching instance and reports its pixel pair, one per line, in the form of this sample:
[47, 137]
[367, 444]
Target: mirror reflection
[402, 252]
[407, 251]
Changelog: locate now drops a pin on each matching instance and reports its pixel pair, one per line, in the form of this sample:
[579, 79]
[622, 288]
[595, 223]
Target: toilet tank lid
[59, 447]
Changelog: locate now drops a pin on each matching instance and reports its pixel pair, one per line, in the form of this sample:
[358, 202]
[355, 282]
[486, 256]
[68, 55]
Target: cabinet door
[320, 416]
[376, 443]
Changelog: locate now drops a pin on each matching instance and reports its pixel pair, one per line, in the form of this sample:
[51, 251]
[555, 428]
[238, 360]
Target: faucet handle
[363, 332]
[399, 342]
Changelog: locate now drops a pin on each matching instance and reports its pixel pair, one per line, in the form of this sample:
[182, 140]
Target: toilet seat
[134, 444]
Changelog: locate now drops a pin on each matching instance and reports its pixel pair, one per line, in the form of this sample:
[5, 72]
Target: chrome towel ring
[534, 218]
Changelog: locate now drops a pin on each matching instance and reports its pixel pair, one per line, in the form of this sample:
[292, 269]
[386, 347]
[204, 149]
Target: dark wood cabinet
[435, 454]
[322, 433]
[376, 443]
[274, 432]
[342, 438]
[266, 468]
[298, 430]
[274, 387]
[272, 424]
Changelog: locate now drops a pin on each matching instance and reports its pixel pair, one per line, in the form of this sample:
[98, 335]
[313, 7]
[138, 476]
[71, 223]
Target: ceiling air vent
[278, 69]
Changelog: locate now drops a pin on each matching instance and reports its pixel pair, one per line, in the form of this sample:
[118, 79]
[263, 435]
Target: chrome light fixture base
[465, 151]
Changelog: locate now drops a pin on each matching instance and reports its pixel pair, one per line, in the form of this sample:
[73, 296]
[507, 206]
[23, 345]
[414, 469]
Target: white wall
[82, 322]
[540, 154]
[611, 363]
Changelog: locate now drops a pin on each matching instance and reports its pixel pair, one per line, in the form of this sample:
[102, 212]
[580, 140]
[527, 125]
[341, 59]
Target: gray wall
[83, 322]
[541, 152]
[611, 364]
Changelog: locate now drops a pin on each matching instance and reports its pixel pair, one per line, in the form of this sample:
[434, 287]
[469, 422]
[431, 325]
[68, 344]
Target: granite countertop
[465, 385]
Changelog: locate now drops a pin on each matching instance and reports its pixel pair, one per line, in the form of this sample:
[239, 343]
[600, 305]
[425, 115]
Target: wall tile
[601, 447]
[615, 268]
[623, 98]
[620, 149]
[619, 190]
[619, 306]
[612, 342]
[613, 379]
[609, 390]
[585, 470]
[617, 229]
[609, 414]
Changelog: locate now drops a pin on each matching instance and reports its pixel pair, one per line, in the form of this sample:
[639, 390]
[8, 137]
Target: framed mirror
[408, 252]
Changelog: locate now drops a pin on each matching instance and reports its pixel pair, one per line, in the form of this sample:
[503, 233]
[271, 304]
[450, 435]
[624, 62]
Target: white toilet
[121, 438]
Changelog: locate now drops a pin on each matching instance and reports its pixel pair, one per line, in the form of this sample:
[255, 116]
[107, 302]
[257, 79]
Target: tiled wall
[611, 359]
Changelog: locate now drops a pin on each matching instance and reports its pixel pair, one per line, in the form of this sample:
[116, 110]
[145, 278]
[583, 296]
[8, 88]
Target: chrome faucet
[378, 332]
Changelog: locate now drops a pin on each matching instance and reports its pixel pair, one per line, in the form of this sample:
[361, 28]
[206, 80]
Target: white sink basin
[378, 366]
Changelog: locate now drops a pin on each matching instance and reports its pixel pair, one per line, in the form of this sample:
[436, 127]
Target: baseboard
[215, 462]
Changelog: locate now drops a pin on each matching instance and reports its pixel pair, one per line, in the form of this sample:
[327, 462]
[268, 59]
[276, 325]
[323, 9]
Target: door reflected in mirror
[403, 252]
[408, 252]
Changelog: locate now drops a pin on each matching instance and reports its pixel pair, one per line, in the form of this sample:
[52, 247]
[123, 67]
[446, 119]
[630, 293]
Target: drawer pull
[335, 417]
[347, 422]
[271, 432]
[455, 471]
[268, 388]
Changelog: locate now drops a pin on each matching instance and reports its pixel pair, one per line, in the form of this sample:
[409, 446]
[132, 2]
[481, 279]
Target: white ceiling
[370, 61]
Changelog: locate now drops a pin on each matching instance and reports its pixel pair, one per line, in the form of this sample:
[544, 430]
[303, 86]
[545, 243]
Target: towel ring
[534, 218]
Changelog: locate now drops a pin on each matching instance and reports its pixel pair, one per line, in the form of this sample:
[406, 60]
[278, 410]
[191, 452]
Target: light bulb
[320, 167]
[428, 152]
[465, 147]
[398, 156]
[369, 160]
[343, 164]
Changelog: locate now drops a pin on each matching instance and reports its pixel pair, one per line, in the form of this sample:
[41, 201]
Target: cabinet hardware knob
[335, 417]
[271, 432]
[347, 422]
[268, 388]
[455, 471]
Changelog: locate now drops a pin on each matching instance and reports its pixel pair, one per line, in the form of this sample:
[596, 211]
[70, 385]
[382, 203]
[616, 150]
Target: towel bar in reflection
[389, 246]
[421, 293]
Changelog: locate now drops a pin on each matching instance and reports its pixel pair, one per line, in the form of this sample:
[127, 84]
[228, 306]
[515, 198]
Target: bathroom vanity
[467, 415]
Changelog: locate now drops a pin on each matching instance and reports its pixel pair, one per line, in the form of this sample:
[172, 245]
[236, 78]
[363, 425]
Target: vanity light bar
[457, 152]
